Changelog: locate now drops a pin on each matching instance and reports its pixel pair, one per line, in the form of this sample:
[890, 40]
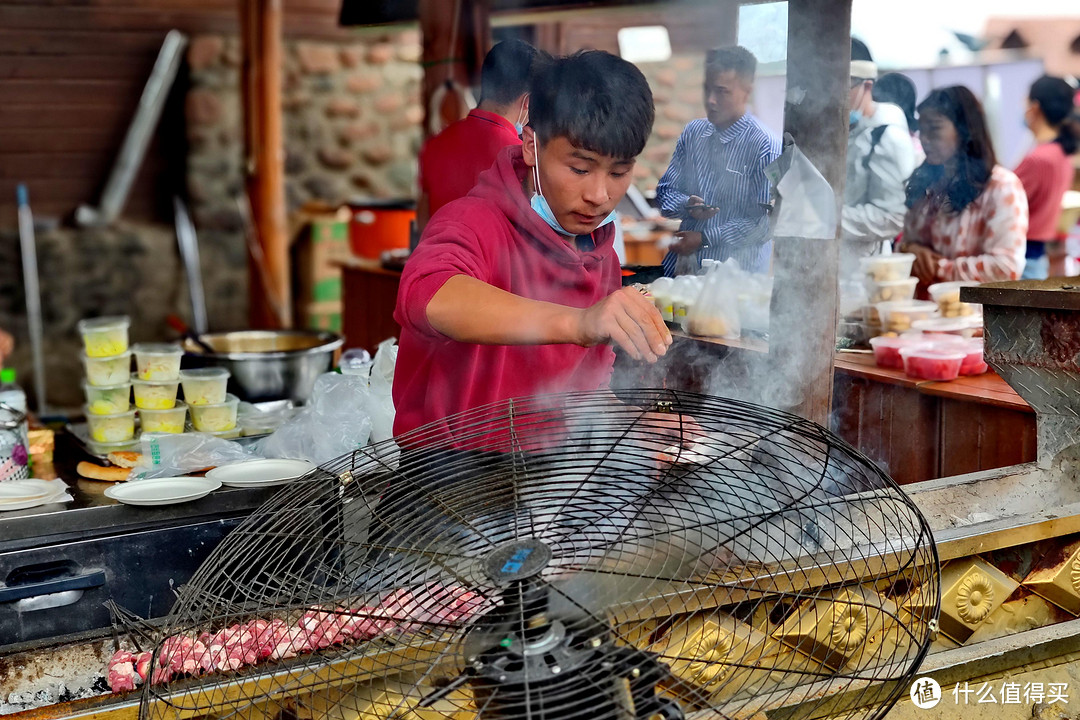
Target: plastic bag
[381, 401]
[807, 205]
[336, 421]
[168, 455]
[754, 293]
[715, 312]
[684, 294]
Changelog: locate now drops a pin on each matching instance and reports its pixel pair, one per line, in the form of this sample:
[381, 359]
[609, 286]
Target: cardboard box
[322, 316]
[319, 250]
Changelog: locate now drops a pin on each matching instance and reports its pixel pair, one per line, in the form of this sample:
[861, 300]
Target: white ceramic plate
[259, 473]
[19, 491]
[162, 491]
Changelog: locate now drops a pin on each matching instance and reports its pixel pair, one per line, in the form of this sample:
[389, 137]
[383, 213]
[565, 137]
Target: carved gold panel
[835, 628]
[971, 589]
[1057, 578]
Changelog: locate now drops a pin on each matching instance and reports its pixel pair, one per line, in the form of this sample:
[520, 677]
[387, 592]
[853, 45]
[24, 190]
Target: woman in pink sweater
[1047, 172]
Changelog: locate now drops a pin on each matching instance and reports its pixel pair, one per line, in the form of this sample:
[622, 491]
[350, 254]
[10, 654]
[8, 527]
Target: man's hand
[7, 345]
[698, 210]
[926, 262]
[628, 319]
[688, 242]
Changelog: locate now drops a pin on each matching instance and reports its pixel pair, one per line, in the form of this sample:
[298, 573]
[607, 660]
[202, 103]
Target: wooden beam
[455, 35]
[802, 339]
[261, 24]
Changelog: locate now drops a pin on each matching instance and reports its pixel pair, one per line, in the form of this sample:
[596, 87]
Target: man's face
[582, 187]
[726, 96]
[860, 89]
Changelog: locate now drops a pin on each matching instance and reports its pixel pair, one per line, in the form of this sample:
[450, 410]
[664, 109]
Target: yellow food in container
[106, 336]
[218, 417]
[112, 370]
[226, 434]
[205, 386]
[151, 395]
[157, 361]
[170, 420]
[111, 428]
[108, 399]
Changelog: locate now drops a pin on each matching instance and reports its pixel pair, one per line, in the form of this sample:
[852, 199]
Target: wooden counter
[915, 429]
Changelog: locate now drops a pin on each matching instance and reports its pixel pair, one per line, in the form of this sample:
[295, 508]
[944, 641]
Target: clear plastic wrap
[336, 421]
[381, 407]
[715, 313]
[169, 455]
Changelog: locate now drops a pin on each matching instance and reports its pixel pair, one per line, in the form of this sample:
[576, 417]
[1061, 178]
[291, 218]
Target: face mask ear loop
[536, 165]
[521, 110]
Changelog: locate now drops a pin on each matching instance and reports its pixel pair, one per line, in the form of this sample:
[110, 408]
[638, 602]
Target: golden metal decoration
[1057, 578]
[971, 589]
[974, 598]
[834, 628]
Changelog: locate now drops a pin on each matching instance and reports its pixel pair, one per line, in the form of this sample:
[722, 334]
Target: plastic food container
[932, 361]
[891, 290]
[947, 297]
[882, 268]
[107, 399]
[887, 349]
[204, 386]
[164, 421]
[217, 417]
[153, 395]
[949, 327]
[900, 316]
[974, 363]
[111, 428]
[103, 449]
[105, 336]
[157, 361]
[108, 370]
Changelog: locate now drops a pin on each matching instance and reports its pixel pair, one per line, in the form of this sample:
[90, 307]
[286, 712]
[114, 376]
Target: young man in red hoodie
[514, 289]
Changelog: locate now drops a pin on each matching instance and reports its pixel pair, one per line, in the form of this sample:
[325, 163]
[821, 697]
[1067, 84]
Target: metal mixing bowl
[268, 364]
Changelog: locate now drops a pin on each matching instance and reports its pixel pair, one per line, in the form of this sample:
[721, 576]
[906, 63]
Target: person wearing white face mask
[451, 162]
[515, 289]
[880, 158]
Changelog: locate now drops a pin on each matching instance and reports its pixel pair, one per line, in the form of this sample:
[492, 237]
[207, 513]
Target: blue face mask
[854, 117]
[540, 204]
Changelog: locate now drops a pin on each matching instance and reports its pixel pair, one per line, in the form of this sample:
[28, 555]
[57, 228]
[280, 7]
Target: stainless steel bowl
[268, 364]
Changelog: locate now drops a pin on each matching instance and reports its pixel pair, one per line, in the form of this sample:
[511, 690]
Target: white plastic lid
[206, 373]
[104, 323]
[157, 349]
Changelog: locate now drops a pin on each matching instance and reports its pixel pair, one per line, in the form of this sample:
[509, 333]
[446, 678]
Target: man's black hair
[507, 71]
[859, 51]
[734, 57]
[898, 89]
[1054, 97]
[596, 100]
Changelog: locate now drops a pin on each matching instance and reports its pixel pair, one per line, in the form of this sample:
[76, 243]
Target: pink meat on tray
[121, 672]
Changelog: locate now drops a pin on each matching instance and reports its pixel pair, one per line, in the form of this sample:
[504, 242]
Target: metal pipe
[189, 253]
[32, 289]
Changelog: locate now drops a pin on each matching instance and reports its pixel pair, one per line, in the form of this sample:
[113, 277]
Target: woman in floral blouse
[967, 216]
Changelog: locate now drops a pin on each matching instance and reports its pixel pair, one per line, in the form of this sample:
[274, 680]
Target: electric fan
[629, 555]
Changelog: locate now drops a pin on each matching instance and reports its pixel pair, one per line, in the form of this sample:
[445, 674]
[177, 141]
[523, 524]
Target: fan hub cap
[516, 560]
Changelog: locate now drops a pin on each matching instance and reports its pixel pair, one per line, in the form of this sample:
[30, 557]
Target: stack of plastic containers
[212, 409]
[107, 360]
[156, 379]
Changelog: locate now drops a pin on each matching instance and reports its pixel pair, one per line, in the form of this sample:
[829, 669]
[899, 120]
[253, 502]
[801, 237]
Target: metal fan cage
[737, 558]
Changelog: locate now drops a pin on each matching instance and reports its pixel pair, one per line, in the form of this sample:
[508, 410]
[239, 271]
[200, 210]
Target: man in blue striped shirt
[716, 181]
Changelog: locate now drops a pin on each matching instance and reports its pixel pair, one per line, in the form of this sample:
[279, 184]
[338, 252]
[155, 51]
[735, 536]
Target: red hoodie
[494, 235]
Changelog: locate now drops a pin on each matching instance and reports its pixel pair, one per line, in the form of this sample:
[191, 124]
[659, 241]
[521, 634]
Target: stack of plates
[260, 473]
[23, 494]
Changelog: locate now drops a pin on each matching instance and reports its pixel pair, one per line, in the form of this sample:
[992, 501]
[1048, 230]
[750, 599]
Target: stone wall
[352, 123]
[128, 269]
[677, 94]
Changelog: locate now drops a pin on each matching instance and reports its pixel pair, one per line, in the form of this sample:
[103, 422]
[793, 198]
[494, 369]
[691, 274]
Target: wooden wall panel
[71, 74]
